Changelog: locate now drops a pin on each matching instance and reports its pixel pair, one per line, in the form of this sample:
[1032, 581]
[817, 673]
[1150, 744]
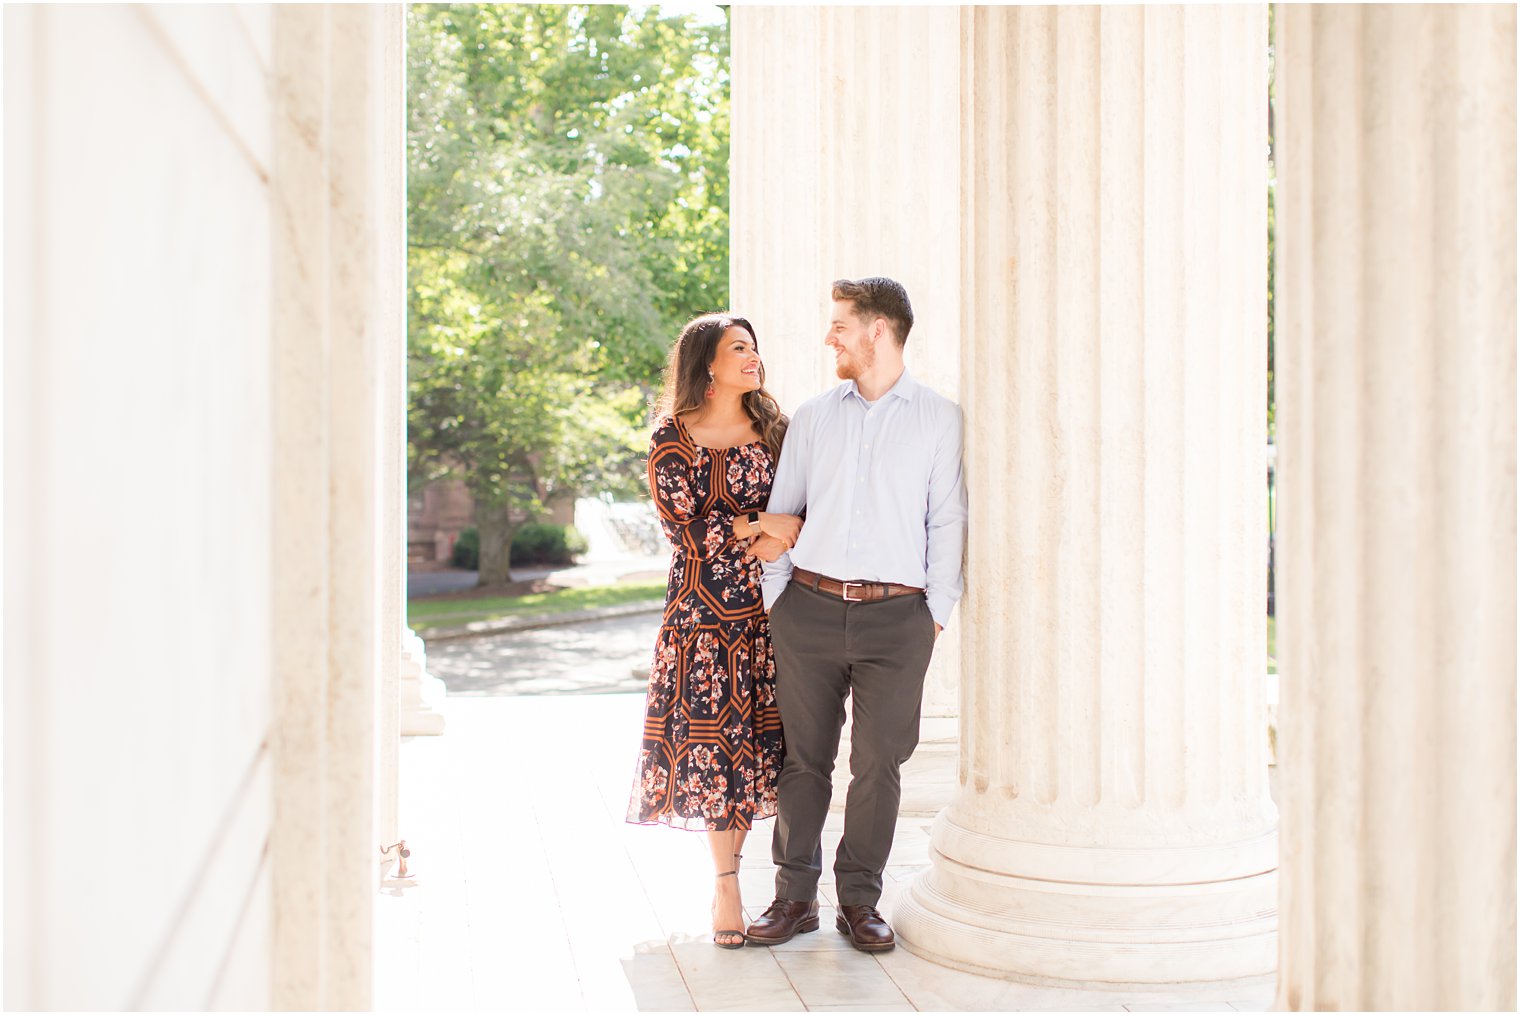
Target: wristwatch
[754, 523]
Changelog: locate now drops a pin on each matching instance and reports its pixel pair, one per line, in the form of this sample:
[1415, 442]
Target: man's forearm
[945, 552]
[946, 555]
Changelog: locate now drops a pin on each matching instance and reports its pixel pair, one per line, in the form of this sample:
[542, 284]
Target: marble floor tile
[613, 976]
[903, 873]
[733, 979]
[1178, 1006]
[929, 986]
[534, 893]
[839, 977]
[444, 974]
[653, 980]
[826, 939]
[746, 995]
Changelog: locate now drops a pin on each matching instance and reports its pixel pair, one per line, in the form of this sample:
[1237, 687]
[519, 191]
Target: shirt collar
[905, 388]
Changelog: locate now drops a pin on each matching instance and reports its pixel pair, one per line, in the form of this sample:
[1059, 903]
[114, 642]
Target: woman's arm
[703, 535]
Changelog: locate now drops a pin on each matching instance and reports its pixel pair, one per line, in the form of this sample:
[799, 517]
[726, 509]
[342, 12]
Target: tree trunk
[496, 531]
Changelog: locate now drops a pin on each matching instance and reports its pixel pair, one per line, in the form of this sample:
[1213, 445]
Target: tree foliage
[568, 210]
[1271, 222]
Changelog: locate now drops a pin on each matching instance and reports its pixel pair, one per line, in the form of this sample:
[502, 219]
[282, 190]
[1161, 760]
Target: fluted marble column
[777, 276]
[337, 337]
[1113, 823]
[388, 192]
[846, 163]
[1396, 594]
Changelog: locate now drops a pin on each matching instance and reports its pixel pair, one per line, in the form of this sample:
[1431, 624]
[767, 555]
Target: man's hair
[879, 297]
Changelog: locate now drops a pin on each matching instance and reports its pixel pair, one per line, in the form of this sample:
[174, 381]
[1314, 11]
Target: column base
[1095, 917]
[418, 691]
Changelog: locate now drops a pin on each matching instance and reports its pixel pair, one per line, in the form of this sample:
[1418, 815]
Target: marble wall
[204, 513]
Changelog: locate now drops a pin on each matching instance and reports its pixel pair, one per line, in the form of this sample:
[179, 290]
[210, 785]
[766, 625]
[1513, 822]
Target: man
[857, 604]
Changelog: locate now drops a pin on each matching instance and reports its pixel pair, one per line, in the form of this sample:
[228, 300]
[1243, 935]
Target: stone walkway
[532, 893]
[592, 658]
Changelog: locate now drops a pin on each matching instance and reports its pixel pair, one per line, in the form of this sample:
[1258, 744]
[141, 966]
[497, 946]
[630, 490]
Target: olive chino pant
[827, 648]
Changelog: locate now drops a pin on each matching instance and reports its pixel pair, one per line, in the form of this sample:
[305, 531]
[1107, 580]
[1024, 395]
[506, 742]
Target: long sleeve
[788, 497]
[946, 523]
[670, 483]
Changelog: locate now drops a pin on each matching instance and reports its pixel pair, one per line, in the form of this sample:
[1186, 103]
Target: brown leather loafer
[783, 921]
[865, 928]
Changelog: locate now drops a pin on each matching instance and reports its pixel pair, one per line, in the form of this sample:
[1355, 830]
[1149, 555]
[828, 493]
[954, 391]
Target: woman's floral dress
[712, 749]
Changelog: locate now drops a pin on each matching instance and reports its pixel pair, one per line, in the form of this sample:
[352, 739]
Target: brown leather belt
[852, 592]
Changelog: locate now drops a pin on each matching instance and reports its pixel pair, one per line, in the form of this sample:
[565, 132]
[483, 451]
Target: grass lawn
[1271, 644]
[424, 613]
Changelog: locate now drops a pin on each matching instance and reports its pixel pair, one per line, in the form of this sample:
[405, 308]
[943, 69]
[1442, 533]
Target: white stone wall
[203, 507]
[138, 456]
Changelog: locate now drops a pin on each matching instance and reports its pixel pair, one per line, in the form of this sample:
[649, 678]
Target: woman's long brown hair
[686, 378]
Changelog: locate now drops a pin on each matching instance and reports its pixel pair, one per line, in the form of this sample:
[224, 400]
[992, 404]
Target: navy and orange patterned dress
[712, 749]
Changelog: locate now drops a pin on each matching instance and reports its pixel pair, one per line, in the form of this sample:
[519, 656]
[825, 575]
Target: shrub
[467, 550]
[547, 544]
[533, 544]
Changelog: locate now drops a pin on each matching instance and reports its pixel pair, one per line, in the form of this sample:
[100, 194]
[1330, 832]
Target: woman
[712, 750]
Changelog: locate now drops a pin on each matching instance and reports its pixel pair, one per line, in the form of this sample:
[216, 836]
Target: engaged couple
[814, 558]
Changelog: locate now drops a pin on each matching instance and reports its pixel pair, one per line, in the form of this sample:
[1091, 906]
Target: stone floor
[532, 893]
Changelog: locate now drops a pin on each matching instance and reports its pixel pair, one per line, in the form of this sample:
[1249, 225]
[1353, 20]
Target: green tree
[1271, 222]
[567, 211]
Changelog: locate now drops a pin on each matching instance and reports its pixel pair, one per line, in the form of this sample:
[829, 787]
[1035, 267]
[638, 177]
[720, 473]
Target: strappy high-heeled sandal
[740, 932]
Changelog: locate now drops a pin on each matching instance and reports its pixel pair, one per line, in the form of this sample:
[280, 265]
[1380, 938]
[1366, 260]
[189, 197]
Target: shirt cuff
[774, 581]
[940, 607]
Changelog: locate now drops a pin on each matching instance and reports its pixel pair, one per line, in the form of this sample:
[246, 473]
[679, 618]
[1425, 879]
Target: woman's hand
[783, 527]
[767, 548]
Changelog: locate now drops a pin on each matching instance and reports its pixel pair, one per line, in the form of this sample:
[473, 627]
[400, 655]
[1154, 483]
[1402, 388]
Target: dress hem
[685, 824]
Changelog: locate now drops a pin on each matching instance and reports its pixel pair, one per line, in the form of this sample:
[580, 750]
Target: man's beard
[850, 366]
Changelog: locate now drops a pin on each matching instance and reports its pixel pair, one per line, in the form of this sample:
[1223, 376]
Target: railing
[631, 526]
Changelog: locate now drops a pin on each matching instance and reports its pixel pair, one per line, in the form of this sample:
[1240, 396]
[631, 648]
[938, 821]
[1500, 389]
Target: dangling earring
[710, 380]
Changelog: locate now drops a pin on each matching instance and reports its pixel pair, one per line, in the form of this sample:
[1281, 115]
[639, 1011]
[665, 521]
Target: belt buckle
[846, 591]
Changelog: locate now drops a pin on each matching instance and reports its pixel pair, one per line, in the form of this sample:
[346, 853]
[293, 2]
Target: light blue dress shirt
[882, 486]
